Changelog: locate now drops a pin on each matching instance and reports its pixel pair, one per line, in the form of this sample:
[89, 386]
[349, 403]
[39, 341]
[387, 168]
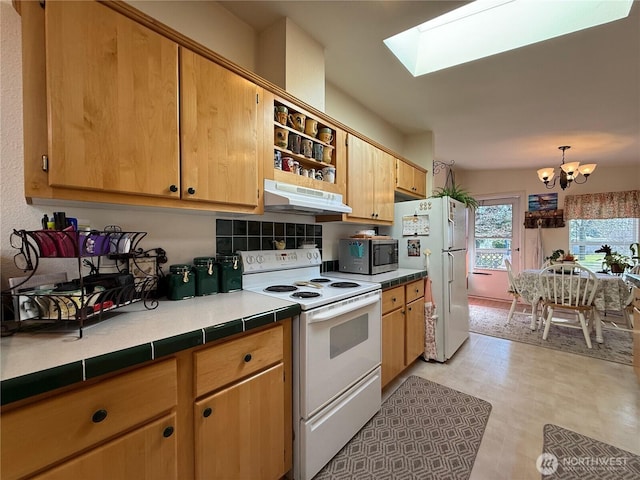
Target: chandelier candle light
[568, 172]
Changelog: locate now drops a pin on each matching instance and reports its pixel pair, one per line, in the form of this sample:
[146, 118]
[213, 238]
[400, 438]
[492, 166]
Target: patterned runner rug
[617, 346]
[568, 455]
[423, 431]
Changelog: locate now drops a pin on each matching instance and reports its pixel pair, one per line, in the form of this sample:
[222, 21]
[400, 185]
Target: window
[493, 235]
[586, 236]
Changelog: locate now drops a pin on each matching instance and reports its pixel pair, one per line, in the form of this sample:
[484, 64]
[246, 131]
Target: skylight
[487, 27]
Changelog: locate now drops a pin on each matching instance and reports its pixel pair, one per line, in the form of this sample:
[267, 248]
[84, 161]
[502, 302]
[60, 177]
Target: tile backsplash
[234, 235]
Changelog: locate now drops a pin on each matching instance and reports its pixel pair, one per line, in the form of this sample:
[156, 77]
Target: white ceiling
[511, 110]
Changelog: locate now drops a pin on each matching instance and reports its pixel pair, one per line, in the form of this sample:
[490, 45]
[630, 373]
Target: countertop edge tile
[51, 378]
[35, 383]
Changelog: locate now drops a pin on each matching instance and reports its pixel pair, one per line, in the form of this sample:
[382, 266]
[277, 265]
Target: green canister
[206, 271]
[182, 282]
[230, 273]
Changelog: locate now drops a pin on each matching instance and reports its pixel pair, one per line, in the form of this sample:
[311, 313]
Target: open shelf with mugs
[304, 150]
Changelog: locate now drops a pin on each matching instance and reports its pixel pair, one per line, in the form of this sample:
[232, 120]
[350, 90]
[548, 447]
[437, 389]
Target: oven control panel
[268, 260]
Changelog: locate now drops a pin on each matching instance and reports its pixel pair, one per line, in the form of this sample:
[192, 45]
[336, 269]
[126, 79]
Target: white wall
[604, 179]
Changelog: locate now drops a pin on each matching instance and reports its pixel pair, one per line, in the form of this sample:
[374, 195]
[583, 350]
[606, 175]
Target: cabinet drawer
[55, 428]
[392, 299]
[222, 364]
[414, 290]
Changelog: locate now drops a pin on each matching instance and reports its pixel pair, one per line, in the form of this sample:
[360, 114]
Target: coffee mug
[329, 174]
[307, 147]
[294, 142]
[311, 127]
[287, 164]
[296, 167]
[325, 135]
[317, 151]
[277, 160]
[297, 121]
[281, 114]
[281, 137]
[327, 154]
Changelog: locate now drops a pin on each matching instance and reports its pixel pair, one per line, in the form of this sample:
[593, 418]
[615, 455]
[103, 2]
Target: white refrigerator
[438, 226]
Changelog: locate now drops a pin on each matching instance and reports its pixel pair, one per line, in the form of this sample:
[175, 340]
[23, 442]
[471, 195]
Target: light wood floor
[530, 386]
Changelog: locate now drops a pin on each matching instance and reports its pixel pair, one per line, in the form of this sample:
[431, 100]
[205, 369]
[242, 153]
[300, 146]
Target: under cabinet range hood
[287, 198]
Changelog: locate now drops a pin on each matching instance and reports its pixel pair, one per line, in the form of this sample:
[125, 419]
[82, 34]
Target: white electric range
[336, 350]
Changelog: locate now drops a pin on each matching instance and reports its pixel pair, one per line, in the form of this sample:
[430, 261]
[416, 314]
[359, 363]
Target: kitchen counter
[387, 279]
[37, 362]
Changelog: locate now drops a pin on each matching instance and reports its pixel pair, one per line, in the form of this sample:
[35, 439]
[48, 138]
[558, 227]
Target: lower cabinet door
[239, 431]
[392, 345]
[415, 330]
[148, 453]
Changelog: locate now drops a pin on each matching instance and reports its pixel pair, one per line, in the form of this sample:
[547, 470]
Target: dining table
[612, 294]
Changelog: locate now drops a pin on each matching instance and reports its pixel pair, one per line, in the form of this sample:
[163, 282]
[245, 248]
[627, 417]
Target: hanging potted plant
[455, 191]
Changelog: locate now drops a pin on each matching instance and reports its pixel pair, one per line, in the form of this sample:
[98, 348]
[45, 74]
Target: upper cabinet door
[370, 182]
[112, 93]
[360, 178]
[220, 132]
[383, 190]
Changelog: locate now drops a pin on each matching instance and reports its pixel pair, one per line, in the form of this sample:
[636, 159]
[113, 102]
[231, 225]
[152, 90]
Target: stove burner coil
[305, 295]
[344, 284]
[281, 288]
[320, 280]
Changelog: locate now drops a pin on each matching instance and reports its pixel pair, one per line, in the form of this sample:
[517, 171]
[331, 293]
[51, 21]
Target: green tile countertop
[36, 362]
[387, 279]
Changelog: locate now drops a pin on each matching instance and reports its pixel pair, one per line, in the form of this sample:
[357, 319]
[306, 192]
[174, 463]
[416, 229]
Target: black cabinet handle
[393, 299]
[99, 416]
[247, 357]
[191, 190]
[173, 188]
[167, 432]
[207, 412]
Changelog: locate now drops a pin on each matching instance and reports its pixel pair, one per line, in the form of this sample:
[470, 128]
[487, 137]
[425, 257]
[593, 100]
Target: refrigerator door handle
[451, 277]
[452, 228]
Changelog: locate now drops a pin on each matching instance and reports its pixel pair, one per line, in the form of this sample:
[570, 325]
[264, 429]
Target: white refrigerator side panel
[456, 302]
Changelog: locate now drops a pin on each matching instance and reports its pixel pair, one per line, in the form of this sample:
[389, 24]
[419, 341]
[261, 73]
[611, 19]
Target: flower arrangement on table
[558, 256]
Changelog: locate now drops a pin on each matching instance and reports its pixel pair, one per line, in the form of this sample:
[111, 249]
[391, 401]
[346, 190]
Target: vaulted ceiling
[511, 110]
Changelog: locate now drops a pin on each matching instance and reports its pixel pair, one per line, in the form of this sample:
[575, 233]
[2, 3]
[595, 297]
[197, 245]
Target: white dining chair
[513, 291]
[569, 287]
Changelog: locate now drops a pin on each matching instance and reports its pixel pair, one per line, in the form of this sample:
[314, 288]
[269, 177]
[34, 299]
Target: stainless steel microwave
[367, 256]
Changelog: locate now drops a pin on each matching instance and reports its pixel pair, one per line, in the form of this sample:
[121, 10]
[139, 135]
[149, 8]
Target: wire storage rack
[92, 295]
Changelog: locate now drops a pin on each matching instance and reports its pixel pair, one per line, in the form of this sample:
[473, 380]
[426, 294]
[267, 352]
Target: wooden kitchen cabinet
[370, 183]
[415, 326]
[151, 422]
[239, 430]
[403, 328]
[411, 181]
[393, 333]
[112, 93]
[74, 426]
[221, 131]
[111, 116]
[242, 411]
[122, 457]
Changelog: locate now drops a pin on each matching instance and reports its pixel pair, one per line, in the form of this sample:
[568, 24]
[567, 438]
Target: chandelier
[569, 172]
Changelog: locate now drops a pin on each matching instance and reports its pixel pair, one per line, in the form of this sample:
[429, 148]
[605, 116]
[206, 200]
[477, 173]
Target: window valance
[601, 206]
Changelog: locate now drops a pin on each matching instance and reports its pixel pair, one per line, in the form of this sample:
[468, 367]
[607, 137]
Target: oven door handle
[331, 313]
